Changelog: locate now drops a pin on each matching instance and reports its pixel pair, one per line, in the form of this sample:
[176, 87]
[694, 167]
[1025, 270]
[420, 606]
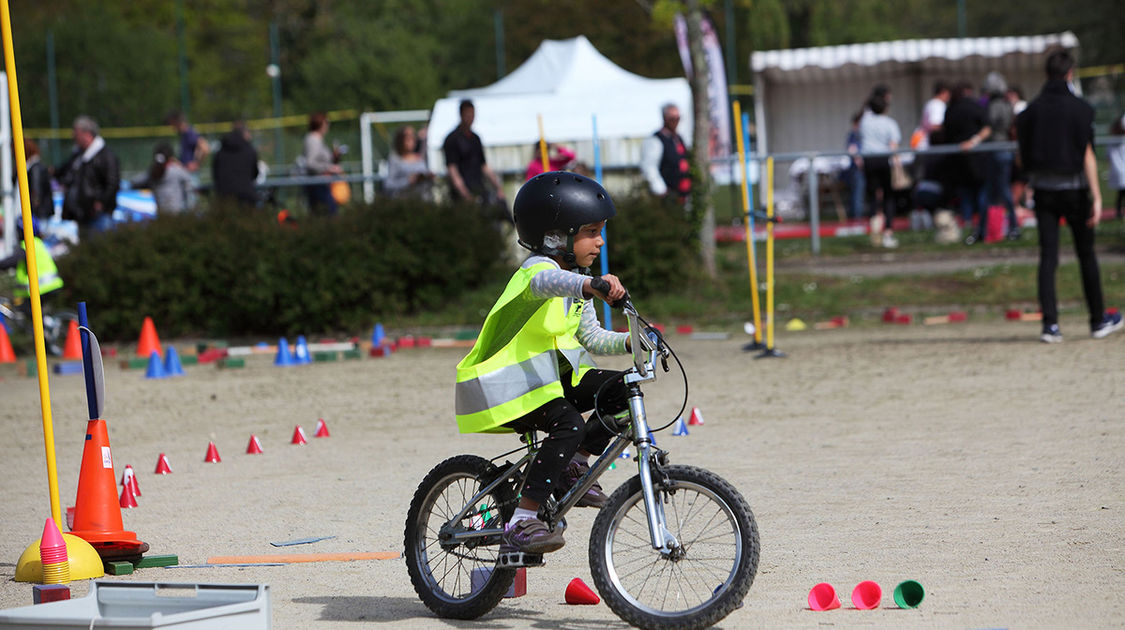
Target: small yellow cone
[795, 325]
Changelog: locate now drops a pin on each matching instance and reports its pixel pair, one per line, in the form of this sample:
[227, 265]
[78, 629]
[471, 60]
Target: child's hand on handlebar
[608, 288]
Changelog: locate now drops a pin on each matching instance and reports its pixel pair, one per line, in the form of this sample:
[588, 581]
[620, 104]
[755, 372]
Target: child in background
[530, 368]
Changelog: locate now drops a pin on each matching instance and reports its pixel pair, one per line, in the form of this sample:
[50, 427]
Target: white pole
[7, 191]
[368, 159]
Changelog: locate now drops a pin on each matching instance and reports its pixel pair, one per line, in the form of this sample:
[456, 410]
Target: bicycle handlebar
[601, 286]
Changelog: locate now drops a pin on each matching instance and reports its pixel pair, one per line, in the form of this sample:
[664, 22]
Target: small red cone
[696, 416]
[299, 436]
[73, 347]
[129, 478]
[321, 429]
[127, 498]
[578, 593]
[7, 355]
[255, 446]
[162, 466]
[212, 454]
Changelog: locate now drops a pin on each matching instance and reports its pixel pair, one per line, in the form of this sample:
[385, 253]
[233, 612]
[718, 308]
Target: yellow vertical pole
[751, 261]
[769, 253]
[543, 145]
[32, 268]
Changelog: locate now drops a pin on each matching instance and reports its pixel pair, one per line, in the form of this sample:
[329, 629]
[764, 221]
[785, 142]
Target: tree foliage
[119, 61]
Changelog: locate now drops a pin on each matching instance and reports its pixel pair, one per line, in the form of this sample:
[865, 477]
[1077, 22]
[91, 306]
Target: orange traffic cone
[73, 347]
[162, 465]
[97, 508]
[7, 355]
[212, 456]
[321, 429]
[128, 500]
[299, 436]
[254, 447]
[148, 342]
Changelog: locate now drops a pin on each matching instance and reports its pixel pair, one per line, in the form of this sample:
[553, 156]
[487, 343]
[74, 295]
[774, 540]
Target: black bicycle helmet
[559, 200]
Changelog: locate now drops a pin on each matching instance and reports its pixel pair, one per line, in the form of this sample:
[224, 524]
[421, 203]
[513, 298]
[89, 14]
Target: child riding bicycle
[530, 369]
[49, 280]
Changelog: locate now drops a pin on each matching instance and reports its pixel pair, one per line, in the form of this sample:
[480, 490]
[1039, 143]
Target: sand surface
[985, 465]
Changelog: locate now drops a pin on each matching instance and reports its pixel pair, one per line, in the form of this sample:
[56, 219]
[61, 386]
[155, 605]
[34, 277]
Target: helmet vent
[600, 196]
[557, 181]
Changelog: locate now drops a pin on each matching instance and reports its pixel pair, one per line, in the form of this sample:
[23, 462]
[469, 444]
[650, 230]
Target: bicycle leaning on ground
[674, 547]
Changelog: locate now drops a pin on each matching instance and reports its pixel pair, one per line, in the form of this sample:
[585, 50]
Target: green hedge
[236, 272]
[231, 272]
[653, 246]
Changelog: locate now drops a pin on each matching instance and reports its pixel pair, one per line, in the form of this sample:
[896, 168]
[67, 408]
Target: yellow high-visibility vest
[49, 279]
[514, 368]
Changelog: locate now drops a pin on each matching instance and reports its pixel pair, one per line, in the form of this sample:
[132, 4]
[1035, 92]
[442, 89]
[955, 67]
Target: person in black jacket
[38, 182]
[235, 167]
[1056, 141]
[92, 177]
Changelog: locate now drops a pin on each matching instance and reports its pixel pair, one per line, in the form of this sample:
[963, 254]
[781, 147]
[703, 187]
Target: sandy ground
[985, 465]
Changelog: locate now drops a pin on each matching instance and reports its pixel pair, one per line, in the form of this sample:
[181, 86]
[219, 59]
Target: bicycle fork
[662, 540]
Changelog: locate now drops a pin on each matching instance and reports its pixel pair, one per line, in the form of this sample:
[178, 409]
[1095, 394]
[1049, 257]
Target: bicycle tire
[701, 604]
[442, 575]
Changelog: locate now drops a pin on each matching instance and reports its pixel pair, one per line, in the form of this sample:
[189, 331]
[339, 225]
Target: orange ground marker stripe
[306, 557]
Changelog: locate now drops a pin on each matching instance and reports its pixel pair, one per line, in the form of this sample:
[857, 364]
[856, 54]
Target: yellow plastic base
[85, 563]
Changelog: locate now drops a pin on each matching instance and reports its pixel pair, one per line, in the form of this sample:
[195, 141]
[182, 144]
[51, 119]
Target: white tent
[804, 98]
[567, 82]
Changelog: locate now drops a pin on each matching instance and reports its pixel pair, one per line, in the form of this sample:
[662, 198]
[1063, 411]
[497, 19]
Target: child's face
[588, 243]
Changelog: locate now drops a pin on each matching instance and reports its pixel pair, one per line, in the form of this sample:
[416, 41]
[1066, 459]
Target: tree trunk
[702, 205]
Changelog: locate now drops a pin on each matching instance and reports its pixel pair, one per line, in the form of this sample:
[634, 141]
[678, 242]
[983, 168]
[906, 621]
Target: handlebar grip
[601, 286]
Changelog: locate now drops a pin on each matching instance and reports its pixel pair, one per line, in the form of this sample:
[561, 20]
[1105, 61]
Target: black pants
[566, 429]
[877, 171]
[1074, 206]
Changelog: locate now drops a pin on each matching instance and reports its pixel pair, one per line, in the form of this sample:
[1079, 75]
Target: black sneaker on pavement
[594, 497]
[1110, 322]
[1051, 334]
[530, 535]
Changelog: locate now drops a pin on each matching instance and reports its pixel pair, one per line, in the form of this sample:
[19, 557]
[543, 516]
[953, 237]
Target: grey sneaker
[594, 497]
[531, 535]
[1051, 334]
[1110, 322]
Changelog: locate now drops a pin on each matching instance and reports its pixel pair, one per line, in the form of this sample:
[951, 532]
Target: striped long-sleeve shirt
[558, 282]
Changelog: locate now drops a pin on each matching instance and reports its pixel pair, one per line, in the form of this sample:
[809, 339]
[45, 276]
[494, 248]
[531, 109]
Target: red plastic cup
[866, 595]
[823, 597]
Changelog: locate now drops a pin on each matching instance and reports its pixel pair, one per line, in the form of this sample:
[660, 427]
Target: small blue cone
[377, 336]
[624, 454]
[283, 358]
[680, 428]
[301, 351]
[172, 365]
[155, 368]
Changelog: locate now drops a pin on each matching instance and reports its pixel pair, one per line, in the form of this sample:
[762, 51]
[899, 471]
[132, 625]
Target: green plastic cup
[909, 594]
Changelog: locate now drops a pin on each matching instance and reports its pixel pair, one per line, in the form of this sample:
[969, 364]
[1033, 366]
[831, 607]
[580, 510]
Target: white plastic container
[133, 605]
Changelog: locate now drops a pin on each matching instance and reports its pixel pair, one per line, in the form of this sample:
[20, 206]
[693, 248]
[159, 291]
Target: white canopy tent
[804, 98]
[567, 82]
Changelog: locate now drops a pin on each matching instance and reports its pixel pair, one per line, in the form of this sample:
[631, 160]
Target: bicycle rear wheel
[458, 580]
[703, 580]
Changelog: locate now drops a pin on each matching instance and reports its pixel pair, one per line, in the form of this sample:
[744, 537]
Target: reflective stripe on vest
[49, 279]
[513, 367]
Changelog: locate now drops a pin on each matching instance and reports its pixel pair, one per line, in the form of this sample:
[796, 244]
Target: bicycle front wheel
[699, 583]
[457, 580]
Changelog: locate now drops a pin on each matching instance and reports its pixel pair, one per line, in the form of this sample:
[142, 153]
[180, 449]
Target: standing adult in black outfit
[234, 168]
[1056, 140]
[966, 124]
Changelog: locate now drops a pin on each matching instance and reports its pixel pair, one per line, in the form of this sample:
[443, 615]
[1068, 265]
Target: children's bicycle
[674, 547]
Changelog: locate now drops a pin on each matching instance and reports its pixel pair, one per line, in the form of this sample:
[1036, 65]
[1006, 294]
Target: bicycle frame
[644, 355]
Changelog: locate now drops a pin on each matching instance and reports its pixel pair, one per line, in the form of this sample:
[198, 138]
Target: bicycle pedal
[517, 559]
